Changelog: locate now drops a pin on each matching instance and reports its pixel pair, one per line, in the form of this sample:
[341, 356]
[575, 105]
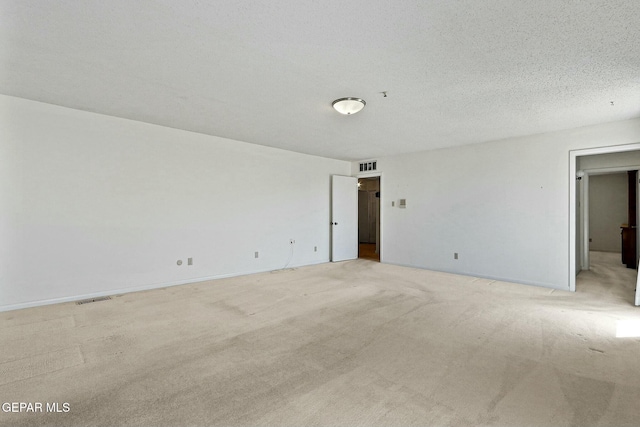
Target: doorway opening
[369, 218]
[607, 211]
[592, 168]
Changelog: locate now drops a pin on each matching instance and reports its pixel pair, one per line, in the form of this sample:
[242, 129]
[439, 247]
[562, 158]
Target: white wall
[608, 209]
[630, 159]
[502, 205]
[91, 205]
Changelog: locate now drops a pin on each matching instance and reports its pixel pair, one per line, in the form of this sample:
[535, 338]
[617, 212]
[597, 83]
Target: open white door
[344, 218]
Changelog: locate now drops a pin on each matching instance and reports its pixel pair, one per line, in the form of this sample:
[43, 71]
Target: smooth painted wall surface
[608, 200]
[503, 206]
[630, 159]
[92, 204]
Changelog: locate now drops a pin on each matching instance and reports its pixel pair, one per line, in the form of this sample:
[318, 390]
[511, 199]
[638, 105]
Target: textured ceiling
[266, 72]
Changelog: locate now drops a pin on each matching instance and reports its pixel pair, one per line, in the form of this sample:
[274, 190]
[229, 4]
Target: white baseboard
[121, 291]
[483, 276]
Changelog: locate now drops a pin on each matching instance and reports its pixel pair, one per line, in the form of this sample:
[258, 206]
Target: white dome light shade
[348, 105]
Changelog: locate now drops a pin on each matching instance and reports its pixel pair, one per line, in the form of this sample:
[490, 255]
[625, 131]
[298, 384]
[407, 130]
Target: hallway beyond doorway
[368, 251]
[369, 218]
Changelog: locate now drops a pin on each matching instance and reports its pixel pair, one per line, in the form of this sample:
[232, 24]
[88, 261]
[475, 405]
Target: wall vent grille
[90, 300]
[368, 166]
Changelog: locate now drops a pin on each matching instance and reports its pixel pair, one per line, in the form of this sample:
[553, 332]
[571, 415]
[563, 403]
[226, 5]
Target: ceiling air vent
[368, 166]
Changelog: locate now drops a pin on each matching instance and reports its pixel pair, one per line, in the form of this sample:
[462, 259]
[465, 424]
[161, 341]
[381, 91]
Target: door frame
[584, 208]
[381, 206]
[573, 210]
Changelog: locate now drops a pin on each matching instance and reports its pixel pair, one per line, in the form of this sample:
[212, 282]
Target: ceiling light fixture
[348, 106]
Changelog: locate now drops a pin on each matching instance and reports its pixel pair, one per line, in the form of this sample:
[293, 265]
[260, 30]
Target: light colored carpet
[346, 344]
